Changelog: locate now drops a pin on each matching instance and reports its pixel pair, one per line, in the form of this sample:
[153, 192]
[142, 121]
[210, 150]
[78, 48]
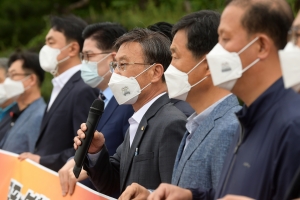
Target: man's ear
[207, 73]
[74, 49]
[264, 46]
[33, 80]
[157, 73]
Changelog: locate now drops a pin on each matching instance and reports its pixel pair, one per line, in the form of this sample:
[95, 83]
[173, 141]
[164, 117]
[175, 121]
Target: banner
[27, 180]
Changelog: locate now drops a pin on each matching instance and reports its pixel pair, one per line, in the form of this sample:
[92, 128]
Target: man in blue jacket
[261, 162]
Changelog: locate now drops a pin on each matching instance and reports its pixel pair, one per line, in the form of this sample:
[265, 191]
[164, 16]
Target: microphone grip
[82, 150]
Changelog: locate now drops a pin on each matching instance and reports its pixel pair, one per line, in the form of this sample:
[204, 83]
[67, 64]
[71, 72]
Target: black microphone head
[98, 104]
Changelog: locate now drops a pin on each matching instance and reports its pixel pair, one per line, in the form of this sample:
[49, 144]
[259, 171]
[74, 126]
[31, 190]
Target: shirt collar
[138, 115]
[62, 79]
[108, 93]
[194, 120]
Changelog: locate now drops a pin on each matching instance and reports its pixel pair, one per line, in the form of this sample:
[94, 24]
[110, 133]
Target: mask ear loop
[243, 49]
[54, 72]
[195, 68]
[145, 70]
[101, 61]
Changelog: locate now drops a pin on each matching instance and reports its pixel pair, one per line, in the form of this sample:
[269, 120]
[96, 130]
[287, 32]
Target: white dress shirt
[136, 118]
[60, 81]
[194, 120]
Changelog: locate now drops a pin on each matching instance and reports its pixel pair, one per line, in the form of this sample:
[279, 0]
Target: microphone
[95, 114]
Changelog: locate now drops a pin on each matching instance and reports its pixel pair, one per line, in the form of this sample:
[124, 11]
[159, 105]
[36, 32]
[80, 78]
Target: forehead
[16, 66]
[231, 20]
[90, 45]
[179, 42]
[297, 20]
[56, 35]
[130, 51]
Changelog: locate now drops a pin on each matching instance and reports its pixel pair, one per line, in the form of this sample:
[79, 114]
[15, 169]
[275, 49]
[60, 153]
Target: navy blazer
[114, 124]
[61, 122]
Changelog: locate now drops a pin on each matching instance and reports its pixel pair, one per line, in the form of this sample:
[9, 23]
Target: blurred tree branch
[78, 4]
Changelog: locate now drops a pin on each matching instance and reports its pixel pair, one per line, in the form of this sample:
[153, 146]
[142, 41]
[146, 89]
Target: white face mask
[48, 58]
[178, 82]
[226, 67]
[11, 89]
[290, 66]
[89, 72]
[126, 90]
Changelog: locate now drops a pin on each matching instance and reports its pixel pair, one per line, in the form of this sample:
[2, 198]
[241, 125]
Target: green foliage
[24, 23]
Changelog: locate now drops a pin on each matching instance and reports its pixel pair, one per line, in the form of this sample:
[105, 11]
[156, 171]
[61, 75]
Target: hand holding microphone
[88, 136]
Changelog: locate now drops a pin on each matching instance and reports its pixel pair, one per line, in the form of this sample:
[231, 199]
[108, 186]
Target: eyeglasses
[11, 76]
[86, 56]
[122, 66]
[294, 34]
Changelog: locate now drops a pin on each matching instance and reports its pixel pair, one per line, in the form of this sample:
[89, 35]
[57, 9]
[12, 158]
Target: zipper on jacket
[234, 156]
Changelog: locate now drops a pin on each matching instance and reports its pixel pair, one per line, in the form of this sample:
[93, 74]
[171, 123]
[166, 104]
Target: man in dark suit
[70, 98]
[98, 51]
[148, 152]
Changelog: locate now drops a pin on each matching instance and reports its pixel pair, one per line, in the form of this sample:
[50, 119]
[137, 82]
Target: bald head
[271, 17]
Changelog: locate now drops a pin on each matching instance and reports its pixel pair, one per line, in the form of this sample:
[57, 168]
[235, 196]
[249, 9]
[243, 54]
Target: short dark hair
[31, 64]
[162, 27]
[297, 5]
[155, 46]
[70, 26]
[105, 34]
[271, 17]
[201, 29]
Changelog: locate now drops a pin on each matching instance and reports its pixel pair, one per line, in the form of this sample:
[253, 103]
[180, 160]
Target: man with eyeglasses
[70, 99]
[23, 84]
[148, 152]
[98, 51]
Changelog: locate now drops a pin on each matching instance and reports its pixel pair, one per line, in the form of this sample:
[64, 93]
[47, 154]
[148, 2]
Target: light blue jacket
[23, 135]
[200, 164]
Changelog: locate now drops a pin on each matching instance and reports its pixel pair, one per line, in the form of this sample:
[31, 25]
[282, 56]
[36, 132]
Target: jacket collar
[249, 115]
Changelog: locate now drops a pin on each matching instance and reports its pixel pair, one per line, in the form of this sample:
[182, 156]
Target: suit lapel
[57, 102]
[141, 131]
[199, 135]
[202, 131]
[108, 111]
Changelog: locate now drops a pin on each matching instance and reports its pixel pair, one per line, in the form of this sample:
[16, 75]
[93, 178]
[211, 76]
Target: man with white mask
[70, 98]
[98, 51]
[210, 130]
[261, 162]
[23, 84]
[148, 152]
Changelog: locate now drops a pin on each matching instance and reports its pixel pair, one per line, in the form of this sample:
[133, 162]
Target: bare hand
[67, 178]
[33, 157]
[97, 142]
[135, 192]
[235, 197]
[168, 192]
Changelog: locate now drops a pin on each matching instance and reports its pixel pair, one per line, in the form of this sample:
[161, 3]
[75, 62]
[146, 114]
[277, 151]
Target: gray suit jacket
[24, 134]
[200, 164]
[157, 139]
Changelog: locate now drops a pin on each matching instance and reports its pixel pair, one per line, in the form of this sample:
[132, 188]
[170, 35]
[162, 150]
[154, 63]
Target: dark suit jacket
[114, 124]
[183, 106]
[157, 139]
[61, 122]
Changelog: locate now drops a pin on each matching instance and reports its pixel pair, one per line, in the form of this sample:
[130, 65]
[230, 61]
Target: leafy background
[24, 23]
